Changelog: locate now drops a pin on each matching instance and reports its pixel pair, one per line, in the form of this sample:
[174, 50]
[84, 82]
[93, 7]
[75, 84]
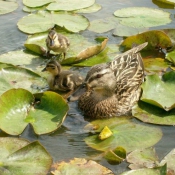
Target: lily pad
[146, 158]
[172, 2]
[129, 135]
[7, 6]
[158, 93]
[155, 39]
[171, 57]
[18, 156]
[33, 9]
[140, 17]
[42, 21]
[36, 3]
[15, 77]
[69, 5]
[91, 9]
[80, 166]
[45, 117]
[80, 48]
[152, 114]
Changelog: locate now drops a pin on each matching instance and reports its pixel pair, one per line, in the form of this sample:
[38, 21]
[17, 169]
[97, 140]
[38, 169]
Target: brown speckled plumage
[113, 88]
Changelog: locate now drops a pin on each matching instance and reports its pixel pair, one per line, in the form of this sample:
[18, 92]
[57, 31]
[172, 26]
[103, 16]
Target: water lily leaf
[143, 171]
[79, 50]
[152, 114]
[158, 93]
[145, 158]
[80, 166]
[170, 33]
[18, 156]
[171, 57]
[17, 105]
[20, 77]
[155, 38]
[91, 9]
[129, 135]
[140, 17]
[33, 9]
[103, 25]
[7, 6]
[36, 3]
[69, 5]
[169, 159]
[42, 21]
[167, 1]
[105, 133]
[155, 65]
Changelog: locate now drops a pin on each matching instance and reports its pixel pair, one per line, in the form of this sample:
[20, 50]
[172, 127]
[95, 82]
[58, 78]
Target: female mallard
[57, 43]
[62, 80]
[113, 88]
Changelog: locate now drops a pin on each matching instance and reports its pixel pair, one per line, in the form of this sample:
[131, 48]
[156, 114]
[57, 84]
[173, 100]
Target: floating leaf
[129, 135]
[158, 93]
[141, 17]
[20, 77]
[171, 56]
[154, 38]
[91, 9]
[42, 21]
[145, 158]
[33, 9]
[80, 166]
[17, 105]
[69, 5]
[79, 50]
[7, 6]
[36, 3]
[152, 114]
[172, 2]
[18, 156]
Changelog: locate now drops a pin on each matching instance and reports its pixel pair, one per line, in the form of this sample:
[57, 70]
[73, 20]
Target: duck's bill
[44, 70]
[75, 96]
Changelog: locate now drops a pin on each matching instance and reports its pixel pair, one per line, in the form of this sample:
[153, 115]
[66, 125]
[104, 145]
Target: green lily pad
[36, 3]
[80, 48]
[140, 17]
[172, 2]
[152, 114]
[171, 57]
[129, 135]
[15, 77]
[45, 117]
[91, 9]
[155, 38]
[145, 158]
[69, 5]
[7, 6]
[33, 9]
[42, 21]
[158, 93]
[80, 166]
[18, 156]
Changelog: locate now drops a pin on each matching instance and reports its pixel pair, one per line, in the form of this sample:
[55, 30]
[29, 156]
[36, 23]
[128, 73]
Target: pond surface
[67, 142]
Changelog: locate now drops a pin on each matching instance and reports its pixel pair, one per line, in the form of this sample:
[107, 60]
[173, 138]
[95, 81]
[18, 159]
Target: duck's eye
[99, 75]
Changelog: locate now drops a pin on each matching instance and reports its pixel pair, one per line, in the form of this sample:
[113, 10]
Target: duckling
[111, 89]
[57, 43]
[62, 80]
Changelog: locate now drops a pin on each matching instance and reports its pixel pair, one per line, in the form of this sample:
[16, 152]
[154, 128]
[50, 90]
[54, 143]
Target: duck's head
[52, 38]
[53, 67]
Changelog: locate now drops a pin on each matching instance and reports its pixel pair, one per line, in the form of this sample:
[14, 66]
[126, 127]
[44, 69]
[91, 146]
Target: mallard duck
[57, 43]
[62, 80]
[111, 89]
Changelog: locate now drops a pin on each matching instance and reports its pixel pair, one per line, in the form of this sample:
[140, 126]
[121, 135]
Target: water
[67, 142]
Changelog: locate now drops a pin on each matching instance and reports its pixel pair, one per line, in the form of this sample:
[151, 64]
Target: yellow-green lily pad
[91, 9]
[126, 134]
[36, 3]
[140, 17]
[20, 109]
[19, 155]
[42, 21]
[69, 5]
[7, 6]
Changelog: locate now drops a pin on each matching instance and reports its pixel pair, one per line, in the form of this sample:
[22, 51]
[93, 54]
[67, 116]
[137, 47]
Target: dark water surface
[67, 142]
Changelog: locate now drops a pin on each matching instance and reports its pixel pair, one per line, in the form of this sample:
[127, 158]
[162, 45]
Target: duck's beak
[44, 70]
[52, 42]
[80, 91]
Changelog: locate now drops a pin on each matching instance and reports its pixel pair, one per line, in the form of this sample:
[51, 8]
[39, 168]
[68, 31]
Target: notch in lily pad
[18, 108]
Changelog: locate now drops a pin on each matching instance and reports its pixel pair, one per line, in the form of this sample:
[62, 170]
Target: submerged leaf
[19, 156]
[129, 135]
[159, 93]
[80, 166]
[141, 17]
[7, 6]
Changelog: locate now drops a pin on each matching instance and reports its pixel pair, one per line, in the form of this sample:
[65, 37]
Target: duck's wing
[128, 69]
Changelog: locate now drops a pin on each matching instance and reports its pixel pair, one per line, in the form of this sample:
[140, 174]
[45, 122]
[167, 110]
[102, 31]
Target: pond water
[67, 142]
